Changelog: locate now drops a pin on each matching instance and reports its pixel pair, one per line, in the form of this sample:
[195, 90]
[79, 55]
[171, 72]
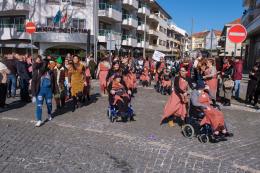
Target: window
[78, 23]
[65, 1]
[53, 1]
[22, 1]
[78, 2]
[51, 24]
[13, 22]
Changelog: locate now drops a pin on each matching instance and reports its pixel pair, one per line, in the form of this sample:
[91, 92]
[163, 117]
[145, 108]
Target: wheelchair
[114, 114]
[192, 128]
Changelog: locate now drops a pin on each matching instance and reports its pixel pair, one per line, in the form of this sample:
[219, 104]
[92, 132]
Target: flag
[64, 18]
[57, 17]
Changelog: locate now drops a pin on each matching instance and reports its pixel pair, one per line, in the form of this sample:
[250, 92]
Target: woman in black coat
[252, 84]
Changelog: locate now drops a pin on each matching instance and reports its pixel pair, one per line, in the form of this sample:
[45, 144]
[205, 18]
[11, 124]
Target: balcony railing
[106, 32]
[17, 27]
[105, 6]
[128, 16]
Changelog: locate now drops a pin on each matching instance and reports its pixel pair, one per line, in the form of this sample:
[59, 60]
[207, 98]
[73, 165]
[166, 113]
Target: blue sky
[207, 14]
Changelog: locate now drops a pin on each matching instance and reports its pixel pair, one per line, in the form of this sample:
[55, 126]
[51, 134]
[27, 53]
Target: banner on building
[157, 55]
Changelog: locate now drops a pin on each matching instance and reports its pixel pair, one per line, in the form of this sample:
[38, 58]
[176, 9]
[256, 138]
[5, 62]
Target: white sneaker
[38, 124]
[49, 117]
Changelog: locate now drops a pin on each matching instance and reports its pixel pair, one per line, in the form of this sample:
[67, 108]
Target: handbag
[229, 84]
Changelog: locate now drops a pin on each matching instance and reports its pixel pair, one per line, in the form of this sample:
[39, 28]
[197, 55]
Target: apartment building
[251, 20]
[68, 34]
[126, 26]
[207, 40]
[138, 24]
[227, 48]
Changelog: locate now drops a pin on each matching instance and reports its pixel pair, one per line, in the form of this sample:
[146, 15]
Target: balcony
[161, 48]
[22, 6]
[249, 16]
[129, 20]
[129, 41]
[153, 46]
[141, 27]
[153, 32]
[109, 12]
[130, 4]
[141, 44]
[144, 10]
[8, 32]
[154, 17]
[104, 35]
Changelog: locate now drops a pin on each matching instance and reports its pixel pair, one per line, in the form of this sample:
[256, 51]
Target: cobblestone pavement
[85, 141]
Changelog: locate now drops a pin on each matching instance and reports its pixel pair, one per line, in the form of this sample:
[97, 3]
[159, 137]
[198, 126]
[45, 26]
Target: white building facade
[128, 26]
[70, 34]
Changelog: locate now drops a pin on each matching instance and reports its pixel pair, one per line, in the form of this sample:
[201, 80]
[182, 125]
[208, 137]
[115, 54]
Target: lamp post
[145, 22]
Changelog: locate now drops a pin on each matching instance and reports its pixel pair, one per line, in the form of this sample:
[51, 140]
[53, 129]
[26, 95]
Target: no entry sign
[30, 27]
[237, 33]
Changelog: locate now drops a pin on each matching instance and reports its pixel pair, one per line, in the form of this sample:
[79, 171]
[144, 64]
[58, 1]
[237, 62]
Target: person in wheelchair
[201, 107]
[119, 96]
[145, 77]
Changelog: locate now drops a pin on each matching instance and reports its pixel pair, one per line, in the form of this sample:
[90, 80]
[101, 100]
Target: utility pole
[145, 22]
[211, 41]
[192, 27]
[95, 21]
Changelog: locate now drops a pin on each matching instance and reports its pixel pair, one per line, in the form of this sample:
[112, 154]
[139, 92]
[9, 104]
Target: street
[86, 141]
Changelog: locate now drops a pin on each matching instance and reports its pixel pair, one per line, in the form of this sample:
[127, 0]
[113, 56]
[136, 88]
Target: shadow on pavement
[69, 104]
[14, 105]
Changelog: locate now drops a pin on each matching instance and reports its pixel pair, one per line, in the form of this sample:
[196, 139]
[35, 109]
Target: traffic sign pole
[235, 52]
[30, 29]
[32, 46]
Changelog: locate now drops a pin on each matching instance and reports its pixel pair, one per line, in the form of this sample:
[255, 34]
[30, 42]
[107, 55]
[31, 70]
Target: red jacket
[238, 70]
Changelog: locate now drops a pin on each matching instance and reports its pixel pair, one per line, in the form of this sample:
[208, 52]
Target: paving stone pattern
[85, 141]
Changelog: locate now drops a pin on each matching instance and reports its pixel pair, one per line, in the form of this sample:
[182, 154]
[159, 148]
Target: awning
[18, 45]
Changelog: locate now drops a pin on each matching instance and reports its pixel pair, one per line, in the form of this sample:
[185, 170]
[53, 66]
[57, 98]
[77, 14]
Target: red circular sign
[30, 27]
[237, 33]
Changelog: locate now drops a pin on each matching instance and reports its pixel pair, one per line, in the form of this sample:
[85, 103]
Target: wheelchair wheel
[110, 116]
[203, 138]
[188, 131]
[108, 113]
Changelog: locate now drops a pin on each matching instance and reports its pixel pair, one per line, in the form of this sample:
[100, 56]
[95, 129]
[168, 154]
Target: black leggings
[3, 92]
[77, 99]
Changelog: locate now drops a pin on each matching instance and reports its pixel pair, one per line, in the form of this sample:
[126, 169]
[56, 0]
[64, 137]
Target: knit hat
[59, 60]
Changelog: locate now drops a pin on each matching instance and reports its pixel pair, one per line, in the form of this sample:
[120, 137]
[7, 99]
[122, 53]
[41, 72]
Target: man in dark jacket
[237, 76]
[22, 71]
[10, 62]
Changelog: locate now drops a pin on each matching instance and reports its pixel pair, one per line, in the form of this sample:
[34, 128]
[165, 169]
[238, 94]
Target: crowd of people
[200, 81]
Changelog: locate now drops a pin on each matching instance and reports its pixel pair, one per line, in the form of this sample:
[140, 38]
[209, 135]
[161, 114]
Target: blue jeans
[11, 85]
[45, 93]
[237, 88]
